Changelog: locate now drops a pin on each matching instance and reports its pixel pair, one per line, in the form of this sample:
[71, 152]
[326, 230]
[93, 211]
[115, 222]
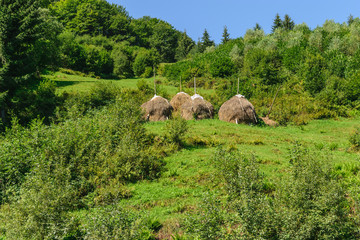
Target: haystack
[179, 99]
[197, 108]
[270, 122]
[157, 109]
[238, 110]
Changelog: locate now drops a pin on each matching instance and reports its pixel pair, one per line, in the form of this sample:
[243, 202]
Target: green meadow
[190, 173]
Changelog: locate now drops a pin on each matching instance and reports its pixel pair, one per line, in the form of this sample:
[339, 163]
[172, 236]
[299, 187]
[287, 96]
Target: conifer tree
[277, 23]
[225, 35]
[205, 41]
[350, 19]
[27, 33]
[288, 23]
[257, 27]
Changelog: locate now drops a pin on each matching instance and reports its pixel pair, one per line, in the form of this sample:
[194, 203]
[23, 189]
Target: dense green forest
[81, 165]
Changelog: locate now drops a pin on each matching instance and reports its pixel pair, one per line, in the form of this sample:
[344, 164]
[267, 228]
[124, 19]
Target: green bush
[28, 103]
[142, 62]
[175, 129]
[114, 222]
[103, 147]
[354, 138]
[208, 223]
[309, 204]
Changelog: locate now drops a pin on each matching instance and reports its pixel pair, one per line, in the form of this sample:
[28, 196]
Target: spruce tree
[205, 41]
[350, 19]
[225, 35]
[27, 36]
[288, 23]
[277, 23]
[257, 27]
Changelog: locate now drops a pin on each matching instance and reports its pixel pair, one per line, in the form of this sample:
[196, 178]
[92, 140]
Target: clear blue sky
[238, 16]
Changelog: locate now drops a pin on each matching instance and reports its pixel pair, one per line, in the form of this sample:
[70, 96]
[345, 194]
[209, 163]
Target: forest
[79, 161]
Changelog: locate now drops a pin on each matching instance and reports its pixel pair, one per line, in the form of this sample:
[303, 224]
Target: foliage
[315, 205]
[41, 102]
[114, 222]
[27, 42]
[205, 42]
[277, 23]
[103, 146]
[354, 138]
[208, 223]
[225, 36]
[176, 128]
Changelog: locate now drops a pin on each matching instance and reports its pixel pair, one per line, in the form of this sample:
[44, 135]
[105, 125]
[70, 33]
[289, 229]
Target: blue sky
[238, 16]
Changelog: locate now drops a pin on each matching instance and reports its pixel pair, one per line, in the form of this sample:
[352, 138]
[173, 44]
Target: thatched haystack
[157, 109]
[197, 108]
[179, 99]
[238, 110]
[270, 122]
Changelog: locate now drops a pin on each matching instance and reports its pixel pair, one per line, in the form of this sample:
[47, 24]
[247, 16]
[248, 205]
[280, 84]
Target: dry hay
[238, 110]
[270, 122]
[197, 108]
[179, 99]
[157, 109]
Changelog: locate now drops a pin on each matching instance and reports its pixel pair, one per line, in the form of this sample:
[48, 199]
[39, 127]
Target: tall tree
[185, 44]
[277, 23]
[205, 41]
[350, 19]
[225, 35]
[164, 40]
[288, 23]
[257, 27]
[27, 36]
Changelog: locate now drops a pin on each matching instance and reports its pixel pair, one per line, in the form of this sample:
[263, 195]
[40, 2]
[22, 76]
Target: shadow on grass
[64, 83]
[190, 147]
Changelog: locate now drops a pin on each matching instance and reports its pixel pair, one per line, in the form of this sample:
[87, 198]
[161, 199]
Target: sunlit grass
[190, 173]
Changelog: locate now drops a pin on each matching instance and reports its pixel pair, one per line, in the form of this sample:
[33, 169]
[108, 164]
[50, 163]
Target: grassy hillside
[75, 83]
[191, 172]
[177, 190]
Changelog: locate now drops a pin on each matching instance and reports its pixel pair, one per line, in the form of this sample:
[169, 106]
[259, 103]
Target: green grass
[190, 173]
[74, 83]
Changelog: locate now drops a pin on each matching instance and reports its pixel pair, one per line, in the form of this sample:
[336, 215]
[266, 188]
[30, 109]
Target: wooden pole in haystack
[277, 91]
[180, 83]
[237, 93]
[195, 85]
[154, 81]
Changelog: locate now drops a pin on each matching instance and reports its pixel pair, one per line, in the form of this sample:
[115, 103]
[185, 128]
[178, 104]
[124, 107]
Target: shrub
[207, 224]
[114, 222]
[308, 205]
[354, 138]
[176, 128]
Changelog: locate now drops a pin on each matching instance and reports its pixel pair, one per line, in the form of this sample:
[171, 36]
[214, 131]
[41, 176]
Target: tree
[27, 41]
[225, 36]
[164, 40]
[277, 23]
[205, 41]
[185, 44]
[257, 27]
[288, 23]
[350, 19]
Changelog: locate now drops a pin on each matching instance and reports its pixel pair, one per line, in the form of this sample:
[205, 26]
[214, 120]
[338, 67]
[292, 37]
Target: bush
[41, 102]
[142, 62]
[104, 146]
[208, 223]
[309, 205]
[355, 138]
[176, 128]
[114, 222]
